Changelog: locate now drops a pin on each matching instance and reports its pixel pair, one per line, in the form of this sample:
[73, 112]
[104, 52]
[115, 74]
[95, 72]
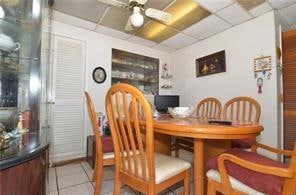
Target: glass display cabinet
[20, 64]
[137, 70]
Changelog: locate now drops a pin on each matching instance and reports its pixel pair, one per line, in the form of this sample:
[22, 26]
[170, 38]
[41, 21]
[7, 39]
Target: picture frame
[262, 64]
[99, 75]
[211, 64]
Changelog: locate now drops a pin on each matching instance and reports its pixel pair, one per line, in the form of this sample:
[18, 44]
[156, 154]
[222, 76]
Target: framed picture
[262, 64]
[211, 64]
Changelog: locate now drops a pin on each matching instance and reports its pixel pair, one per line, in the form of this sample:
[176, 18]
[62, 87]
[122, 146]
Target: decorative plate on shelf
[99, 75]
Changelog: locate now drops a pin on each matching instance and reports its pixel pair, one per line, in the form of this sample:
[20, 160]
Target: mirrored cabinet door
[20, 63]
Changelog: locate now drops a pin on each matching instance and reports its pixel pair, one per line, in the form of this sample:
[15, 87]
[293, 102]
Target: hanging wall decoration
[211, 64]
[262, 69]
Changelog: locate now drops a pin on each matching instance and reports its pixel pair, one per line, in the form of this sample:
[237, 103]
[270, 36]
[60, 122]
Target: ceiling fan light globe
[137, 19]
[2, 13]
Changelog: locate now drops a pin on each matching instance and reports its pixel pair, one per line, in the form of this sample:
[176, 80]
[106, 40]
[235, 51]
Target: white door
[67, 134]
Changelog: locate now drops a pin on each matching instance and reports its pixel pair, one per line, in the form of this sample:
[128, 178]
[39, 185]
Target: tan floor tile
[85, 165]
[73, 179]
[82, 189]
[52, 193]
[69, 169]
[51, 184]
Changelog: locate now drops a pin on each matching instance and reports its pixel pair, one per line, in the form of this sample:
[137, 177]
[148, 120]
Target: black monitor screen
[163, 102]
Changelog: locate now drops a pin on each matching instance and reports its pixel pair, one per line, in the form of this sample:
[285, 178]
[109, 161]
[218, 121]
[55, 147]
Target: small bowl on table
[181, 112]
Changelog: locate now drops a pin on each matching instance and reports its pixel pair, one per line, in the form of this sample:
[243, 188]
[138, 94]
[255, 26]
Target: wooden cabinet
[28, 178]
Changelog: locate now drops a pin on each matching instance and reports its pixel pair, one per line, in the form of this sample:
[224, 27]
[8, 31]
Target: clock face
[99, 75]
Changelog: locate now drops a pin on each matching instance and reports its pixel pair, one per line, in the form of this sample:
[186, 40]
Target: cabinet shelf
[134, 80]
[137, 70]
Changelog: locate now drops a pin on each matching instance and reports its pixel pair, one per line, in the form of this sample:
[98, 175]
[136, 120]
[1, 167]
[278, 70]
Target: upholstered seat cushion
[264, 183]
[165, 167]
[243, 143]
[236, 184]
[107, 144]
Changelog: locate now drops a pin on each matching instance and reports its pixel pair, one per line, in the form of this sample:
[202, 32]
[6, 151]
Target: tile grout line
[74, 185]
[90, 180]
[57, 183]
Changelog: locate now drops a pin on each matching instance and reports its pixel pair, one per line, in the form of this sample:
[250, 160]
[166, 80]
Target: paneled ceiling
[192, 21]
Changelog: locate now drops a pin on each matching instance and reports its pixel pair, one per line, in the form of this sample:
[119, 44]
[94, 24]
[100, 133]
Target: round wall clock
[99, 75]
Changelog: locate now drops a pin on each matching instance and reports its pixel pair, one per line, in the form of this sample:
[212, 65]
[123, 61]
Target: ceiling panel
[111, 32]
[158, 4]
[141, 41]
[89, 10]
[234, 14]
[261, 9]
[179, 40]
[164, 48]
[207, 27]
[278, 4]
[289, 13]
[156, 32]
[74, 21]
[214, 5]
[116, 18]
[247, 4]
[185, 13]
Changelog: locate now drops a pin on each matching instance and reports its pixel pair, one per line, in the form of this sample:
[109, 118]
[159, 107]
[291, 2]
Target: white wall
[242, 44]
[99, 53]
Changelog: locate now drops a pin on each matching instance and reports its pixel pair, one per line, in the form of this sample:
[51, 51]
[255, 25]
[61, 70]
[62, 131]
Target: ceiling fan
[136, 6]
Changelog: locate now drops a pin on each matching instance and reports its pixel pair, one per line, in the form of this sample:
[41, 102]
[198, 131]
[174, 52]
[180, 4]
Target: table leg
[199, 167]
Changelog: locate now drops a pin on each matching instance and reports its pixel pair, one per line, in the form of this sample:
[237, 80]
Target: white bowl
[181, 112]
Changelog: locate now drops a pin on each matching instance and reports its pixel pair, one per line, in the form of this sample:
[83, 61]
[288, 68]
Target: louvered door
[67, 138]
[289, 88]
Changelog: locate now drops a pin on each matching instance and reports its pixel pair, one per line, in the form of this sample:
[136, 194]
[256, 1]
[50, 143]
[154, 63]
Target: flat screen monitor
[163, 102]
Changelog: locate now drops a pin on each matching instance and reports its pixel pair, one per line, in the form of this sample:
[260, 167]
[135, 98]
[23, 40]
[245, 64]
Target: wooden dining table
[202, 131]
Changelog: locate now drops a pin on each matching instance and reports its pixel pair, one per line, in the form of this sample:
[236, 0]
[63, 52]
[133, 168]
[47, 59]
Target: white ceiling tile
[141, 41]
[261, 9]
[234, 14]
[179, 40]
[111, 32]
[164, 48]
[90, 10]
[67, 19]
[214, 5]
[289, 13]
[278, 4]
[207, 27]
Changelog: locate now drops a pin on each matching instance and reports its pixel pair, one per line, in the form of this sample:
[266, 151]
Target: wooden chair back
[126, 129]
[209, 107]
[95, 126]
[242, 109]
[290, 183]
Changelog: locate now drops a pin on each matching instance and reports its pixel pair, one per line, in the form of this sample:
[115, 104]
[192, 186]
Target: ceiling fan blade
[129, 26]
[158, 15]
[142, 2]
[115, 3]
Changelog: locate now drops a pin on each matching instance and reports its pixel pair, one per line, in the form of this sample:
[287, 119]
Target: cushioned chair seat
[236, 184]
[107, 144]
[267, 184]
[165, 167]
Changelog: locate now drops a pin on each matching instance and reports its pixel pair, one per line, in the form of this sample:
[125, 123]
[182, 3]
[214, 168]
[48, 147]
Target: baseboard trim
[69, 161]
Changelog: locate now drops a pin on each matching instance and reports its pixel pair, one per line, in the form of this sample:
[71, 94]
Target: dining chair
[210, 108]
[242, 172]
[104, 148]
[136, 163]
[242, 109]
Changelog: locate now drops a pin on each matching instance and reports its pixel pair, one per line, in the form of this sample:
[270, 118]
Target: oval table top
[197, 127]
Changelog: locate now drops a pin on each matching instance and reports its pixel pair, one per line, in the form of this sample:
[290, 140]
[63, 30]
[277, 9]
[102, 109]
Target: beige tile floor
[75, 179]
